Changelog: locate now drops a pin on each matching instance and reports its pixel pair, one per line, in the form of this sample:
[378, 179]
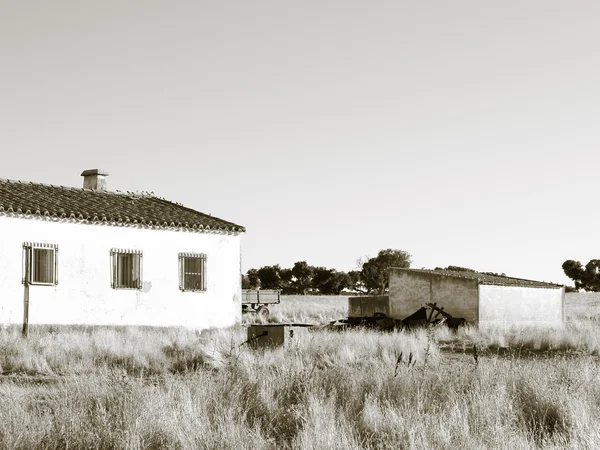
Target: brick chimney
[94, 179]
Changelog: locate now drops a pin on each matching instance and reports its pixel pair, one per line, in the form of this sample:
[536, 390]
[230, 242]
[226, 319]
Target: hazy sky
[464, 132]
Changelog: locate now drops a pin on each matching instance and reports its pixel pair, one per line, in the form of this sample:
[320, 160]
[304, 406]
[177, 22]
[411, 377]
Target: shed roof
[104, 207]
[484, 278]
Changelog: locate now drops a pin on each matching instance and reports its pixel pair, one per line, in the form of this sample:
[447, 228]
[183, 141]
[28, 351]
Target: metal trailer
[256, 301]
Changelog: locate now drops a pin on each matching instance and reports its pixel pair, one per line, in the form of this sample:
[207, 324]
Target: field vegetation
[136, 388]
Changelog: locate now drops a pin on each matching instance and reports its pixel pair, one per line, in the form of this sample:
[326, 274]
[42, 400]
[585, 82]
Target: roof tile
[104, 206]
[485, 278]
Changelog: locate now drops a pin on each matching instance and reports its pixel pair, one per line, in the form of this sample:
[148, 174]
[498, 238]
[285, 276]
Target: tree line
[371, 277]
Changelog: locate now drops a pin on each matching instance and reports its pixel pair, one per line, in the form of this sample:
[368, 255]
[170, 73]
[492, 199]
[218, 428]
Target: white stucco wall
[84, 294]
[508, 306]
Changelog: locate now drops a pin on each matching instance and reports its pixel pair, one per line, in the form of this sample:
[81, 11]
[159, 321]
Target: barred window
[40, 264]
[192, 272]
[126, 268]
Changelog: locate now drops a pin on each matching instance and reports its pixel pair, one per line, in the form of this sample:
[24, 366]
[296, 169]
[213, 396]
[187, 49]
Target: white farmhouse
[96, 257]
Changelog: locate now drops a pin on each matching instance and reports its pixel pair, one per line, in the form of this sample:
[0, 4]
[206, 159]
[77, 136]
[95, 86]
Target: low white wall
[84, 294]
[508, 306]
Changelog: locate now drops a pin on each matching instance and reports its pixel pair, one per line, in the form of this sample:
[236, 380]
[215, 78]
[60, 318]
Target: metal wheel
[263, 312]
[434, 312]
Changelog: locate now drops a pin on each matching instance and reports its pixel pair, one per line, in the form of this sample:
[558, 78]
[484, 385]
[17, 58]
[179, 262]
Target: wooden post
[25, 331]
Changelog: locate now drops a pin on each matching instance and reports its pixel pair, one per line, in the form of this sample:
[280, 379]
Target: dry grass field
[309, 309]
[133, 388]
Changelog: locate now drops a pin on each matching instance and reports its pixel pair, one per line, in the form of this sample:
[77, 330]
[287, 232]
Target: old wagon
[257, 301]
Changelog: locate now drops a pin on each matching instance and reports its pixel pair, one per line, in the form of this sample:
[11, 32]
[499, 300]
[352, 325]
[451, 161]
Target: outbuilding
[96, 257]
[482, 299]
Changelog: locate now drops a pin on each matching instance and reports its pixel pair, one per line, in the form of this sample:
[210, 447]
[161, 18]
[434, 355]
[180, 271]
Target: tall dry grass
[357, 389]
[134, 388]
[312, 309]
[581, 334]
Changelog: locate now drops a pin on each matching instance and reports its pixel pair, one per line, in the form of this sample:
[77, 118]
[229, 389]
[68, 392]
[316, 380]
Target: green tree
[329, 281]
[586, 278]
[341, 281]
[356, 283]
[245, 282]
[375, 271]
[286, 285]
[321, 276]
[303, 274]
[270, 277]
[253, 279]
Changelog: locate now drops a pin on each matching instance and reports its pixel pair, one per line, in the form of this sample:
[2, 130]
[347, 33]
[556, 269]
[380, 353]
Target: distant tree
[286, 285]
[375, 271]
[245, 282]
[286, 275]
[356, 283]
[253, 279]
[270, 277]
[587, 278]
[342, 281]
[571, 289]
[303, 274]
[329, 281]
[321, 276]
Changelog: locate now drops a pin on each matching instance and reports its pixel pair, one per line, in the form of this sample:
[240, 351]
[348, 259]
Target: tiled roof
[484, 278]
[104, 207]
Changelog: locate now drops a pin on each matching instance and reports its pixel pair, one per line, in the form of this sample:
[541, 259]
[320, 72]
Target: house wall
[505, 306]
[84, 294]
[409, 290]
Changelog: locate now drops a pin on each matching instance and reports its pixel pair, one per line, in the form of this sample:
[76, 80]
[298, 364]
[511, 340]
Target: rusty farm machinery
[429, 315]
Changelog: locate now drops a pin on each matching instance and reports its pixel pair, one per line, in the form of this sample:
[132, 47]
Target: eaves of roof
[487, 279]
[28, 199]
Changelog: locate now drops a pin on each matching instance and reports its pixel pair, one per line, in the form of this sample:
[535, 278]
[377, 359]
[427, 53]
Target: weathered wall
[410, 289]
[507, 306]
[84, 294]
[367, 306]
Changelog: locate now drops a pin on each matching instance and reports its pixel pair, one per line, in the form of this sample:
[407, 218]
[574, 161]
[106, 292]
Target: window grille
[126, 268]
[40, 264]
[192, 272]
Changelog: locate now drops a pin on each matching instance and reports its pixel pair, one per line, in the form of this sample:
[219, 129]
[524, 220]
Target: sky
[465, 133]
